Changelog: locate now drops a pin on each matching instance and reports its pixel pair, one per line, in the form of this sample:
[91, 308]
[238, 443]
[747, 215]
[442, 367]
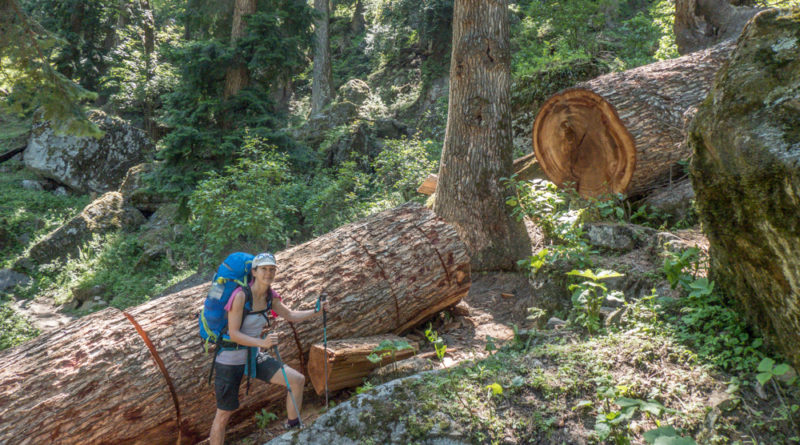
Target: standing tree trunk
[94, 381]
[321, 85]
[357, 23]
[149, 44]
[624, 132]
[477, 144]
[238, 75]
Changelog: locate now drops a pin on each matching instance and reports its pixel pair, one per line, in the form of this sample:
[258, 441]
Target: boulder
[746, 175]
[135, 192]
[385, 414]
[675, 200]
[9, 279]
[355, 91]
[619, 237]
[105, 214]
[87, 164]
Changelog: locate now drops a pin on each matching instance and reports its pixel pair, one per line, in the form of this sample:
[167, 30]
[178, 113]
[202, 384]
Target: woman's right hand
[269, 341]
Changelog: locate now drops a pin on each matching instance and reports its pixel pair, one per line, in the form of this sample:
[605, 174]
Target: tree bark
[477, 146]
[321, 80]
[238, 76]
[149, 44]
[357, 22]
[347, 361]
[95, 381]
[624, 132]
[703, 23]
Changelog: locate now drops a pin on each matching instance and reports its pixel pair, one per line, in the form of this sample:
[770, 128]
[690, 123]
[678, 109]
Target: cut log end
[578, 138]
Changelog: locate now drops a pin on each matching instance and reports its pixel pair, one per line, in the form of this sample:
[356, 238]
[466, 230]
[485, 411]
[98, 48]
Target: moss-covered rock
[106, 214]
[746, 174]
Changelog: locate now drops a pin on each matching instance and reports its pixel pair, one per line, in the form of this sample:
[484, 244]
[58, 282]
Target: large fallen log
[347, 361]
[95, 380]
[623, 132]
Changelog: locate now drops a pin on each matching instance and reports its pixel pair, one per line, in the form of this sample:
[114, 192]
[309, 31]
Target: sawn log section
[95, 381]
[347, 361]
[622, 132]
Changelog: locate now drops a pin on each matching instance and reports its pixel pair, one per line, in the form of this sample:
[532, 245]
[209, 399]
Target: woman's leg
[217, 436]
[297, 382]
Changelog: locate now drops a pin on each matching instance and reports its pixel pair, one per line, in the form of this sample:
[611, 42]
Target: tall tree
[477, 145]
[33, 81]
[238, 75]
[321, 82]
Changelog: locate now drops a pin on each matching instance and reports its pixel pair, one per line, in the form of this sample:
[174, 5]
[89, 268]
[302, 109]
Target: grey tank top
[251, 326]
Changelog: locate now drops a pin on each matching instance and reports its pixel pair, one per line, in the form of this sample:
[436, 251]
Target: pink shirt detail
[239, 290]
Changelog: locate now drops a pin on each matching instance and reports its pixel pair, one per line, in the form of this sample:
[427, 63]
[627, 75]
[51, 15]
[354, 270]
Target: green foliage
[264, 417]
[248, 203]
[767, 369]
[703, 320]
[666, 435]
[678, 264]
[438, 343]
[588, 297]
[209, 130]
[28, 215]
[388, 348]
[403, 165]
[14, 328]
[28, 79]
[622, 34]
[558, 213]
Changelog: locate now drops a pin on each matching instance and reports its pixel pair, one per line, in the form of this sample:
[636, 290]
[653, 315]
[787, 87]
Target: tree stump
[623, 132]
[347, 361]
[95, 381]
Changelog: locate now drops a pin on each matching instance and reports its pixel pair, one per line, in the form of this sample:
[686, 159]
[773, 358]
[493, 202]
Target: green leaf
[664, 431]
[374, 358]
[496, 388]
[781, 369]
[653, 407]
[582, 404]
[674, 441]
[625, 402]
[764, 377]
[766, 365]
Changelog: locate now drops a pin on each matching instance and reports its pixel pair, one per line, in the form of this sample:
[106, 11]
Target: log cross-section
[623, 132]
[95, 381]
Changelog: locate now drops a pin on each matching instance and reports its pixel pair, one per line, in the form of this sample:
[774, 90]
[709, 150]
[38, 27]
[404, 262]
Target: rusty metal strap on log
[385, 277]
[299, 350]
[161, 366]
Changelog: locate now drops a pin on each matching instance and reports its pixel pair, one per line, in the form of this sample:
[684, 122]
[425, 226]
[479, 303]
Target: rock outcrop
[746, 174]
[86, 164]
[105, 214]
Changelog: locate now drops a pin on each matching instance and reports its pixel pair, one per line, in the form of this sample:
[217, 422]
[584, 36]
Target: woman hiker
[230, 364]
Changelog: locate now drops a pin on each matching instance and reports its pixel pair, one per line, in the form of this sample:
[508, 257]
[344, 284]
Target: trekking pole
[320, 303]
[288, 386]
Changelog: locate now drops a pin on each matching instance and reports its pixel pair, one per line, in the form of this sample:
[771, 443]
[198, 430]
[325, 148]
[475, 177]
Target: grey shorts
[228, 378]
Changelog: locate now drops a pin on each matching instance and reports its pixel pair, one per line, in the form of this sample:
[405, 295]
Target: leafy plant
[666, 435]
[437, 342]
[588, 297]
[388, 348]
[264, 417]
[681, 268]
